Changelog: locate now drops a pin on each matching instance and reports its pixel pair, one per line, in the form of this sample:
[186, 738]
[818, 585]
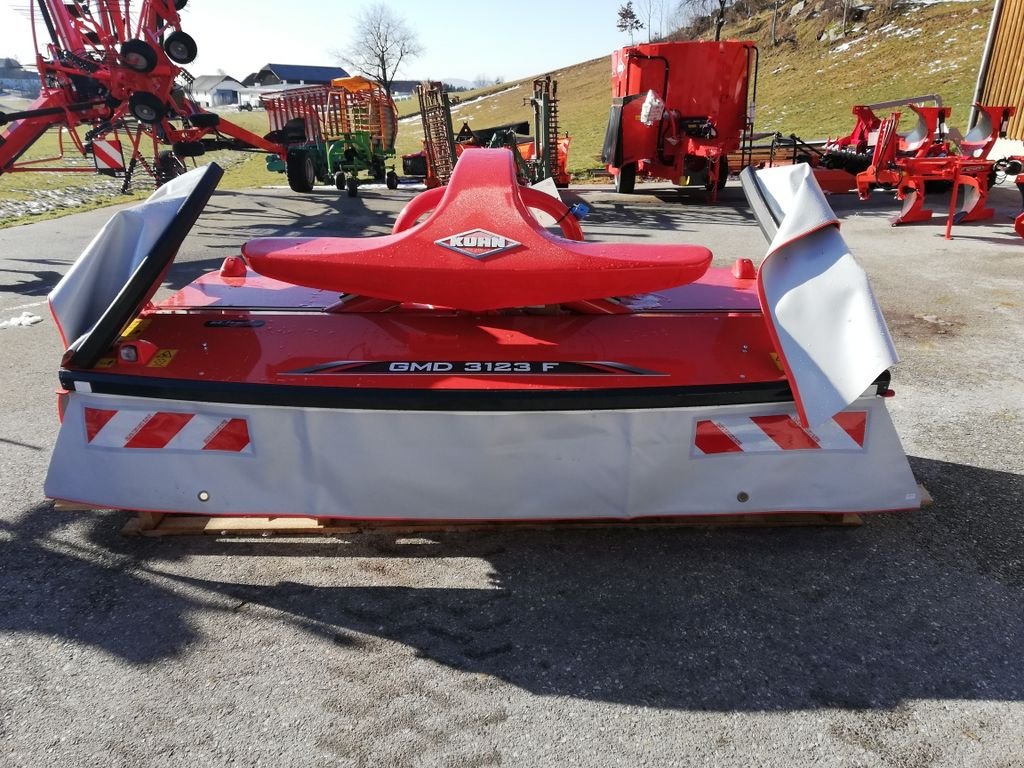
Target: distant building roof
[272, 74]
[209, 82]
[12, 70]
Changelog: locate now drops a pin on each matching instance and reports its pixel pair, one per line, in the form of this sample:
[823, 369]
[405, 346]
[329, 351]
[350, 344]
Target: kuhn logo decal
[477, 243]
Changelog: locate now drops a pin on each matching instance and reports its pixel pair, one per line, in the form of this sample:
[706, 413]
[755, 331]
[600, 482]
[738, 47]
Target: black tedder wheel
[625, 181]
[180, 48]
[301, 172]
[138, 55]
[168, 167]
[189, 148]
[204, 120]
[146, 107]
[392, 180]
[352, 185]
[339, 180]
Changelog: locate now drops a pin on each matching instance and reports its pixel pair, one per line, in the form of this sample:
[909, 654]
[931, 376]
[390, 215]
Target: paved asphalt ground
[898, 643]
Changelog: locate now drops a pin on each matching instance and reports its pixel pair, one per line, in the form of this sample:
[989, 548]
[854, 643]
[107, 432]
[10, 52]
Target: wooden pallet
[148, 524]
[155, 525]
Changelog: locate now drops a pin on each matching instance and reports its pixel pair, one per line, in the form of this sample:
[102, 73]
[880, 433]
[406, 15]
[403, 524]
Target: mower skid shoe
[193, 457]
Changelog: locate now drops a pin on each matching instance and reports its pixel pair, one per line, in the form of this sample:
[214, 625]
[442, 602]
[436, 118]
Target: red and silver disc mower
[474, 365]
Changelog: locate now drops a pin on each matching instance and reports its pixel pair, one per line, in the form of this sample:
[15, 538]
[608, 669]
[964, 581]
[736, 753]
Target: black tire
[339, 180]
[179, 4]
[189, 148]
[301, 171]
[146, 107]
[168, 167]
[625, 180]
[377, 170]
[205, 120]
[138, 56]
[180, 48]
[352, 185]
[723, 175]
[391, 180]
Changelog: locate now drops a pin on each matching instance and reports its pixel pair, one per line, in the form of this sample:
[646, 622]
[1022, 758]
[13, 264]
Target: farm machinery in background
[931, 157]
[112, 80]
[678, 111]
[333, 133]
[939, 162]
[541, 156]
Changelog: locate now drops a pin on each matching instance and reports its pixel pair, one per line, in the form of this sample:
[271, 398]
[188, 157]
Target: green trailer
[334, 134]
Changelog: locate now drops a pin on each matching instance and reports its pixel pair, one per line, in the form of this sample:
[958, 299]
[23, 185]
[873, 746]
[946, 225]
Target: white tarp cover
[106, 264]
[474, 465]
[829, 330]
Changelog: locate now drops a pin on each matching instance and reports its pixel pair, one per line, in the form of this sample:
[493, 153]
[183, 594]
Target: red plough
[934, 161]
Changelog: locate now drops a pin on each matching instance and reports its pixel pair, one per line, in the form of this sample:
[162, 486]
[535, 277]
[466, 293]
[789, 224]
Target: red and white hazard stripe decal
[107, 155]
[846, 431]
[166, 430]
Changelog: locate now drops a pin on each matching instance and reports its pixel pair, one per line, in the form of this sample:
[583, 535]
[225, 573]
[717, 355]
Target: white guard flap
[106, 264]
[828, 327]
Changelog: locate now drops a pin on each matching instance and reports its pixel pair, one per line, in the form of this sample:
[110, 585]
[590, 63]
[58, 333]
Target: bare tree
[652, 14]
[380, 42]
[628, 21]
[713, 8]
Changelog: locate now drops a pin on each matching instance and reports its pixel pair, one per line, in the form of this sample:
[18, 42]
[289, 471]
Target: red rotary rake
[113, 70]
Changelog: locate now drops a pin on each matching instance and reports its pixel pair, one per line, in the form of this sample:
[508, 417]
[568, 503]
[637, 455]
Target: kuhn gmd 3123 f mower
[473, 365]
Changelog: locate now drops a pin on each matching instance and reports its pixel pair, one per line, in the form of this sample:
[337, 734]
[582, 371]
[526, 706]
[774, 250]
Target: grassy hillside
[807, 85]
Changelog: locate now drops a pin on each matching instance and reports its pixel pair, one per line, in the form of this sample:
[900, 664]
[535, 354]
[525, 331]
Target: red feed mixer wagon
[678, 111]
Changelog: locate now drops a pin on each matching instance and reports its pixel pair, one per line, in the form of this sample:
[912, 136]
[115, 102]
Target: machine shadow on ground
[923, 605]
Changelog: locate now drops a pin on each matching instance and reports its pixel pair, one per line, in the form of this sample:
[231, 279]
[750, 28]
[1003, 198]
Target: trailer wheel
[180, 47]
[146, 107]
[392, 180]
[723, 174]
[339, 180]
[138, 55]
[352, 185]
[625, 181]
[377, 170]
[301, 172]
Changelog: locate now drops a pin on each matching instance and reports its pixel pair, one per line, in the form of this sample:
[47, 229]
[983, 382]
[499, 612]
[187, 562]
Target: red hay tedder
[113, 70]
[678, 110]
